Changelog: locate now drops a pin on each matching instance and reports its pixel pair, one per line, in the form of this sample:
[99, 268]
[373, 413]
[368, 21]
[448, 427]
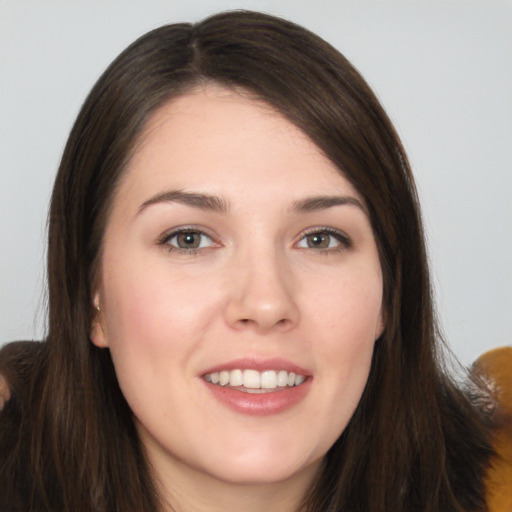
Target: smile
[253, 381]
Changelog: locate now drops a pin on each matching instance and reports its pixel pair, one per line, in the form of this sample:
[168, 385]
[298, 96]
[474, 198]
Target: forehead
[214, 138]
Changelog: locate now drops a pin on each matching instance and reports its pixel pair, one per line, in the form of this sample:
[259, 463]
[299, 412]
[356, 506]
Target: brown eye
[318, 241]
[325, 240]
[188, 240]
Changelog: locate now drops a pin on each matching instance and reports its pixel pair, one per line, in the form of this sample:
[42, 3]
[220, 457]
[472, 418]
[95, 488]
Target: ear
[98, 335]
[381, 324]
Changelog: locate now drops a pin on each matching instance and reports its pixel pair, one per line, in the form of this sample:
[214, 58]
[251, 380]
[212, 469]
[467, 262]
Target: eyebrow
[316, 203]
[220, 205]
[194, 199]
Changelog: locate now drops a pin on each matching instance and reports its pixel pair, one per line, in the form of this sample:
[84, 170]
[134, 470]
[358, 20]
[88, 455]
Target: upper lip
[260, 365]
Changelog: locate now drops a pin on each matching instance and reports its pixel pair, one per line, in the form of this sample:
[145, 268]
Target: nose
[262, 294]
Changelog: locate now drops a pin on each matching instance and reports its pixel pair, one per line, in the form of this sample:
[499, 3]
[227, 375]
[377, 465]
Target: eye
[324, 239]
[187, 240]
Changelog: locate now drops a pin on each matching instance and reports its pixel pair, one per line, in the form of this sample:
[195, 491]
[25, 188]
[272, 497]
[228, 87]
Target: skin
[4, 392]
[257, 287]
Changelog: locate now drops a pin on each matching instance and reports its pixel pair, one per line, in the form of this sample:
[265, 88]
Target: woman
[240, 312]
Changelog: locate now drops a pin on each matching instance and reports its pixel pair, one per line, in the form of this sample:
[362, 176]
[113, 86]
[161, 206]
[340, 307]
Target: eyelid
[344, 240]
[173, 232]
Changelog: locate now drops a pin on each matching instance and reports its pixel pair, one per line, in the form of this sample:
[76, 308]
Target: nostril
[246, 322]
[284, 322]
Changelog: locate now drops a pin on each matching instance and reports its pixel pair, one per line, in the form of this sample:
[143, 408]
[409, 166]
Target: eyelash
[167, 237]
[344, 241]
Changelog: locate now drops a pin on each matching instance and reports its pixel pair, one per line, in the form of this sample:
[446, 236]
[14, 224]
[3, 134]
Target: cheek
[153, 326]
[351, 318]
[151, 313]
[346, 326]
[348, 308]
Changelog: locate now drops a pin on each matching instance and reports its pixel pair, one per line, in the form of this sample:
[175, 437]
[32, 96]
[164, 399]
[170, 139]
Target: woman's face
[240, 292]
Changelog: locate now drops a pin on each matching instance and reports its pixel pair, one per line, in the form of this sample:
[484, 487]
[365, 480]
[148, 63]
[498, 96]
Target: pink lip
[260, 404]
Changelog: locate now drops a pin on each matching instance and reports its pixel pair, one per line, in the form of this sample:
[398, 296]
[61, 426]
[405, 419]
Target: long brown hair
[414, 442]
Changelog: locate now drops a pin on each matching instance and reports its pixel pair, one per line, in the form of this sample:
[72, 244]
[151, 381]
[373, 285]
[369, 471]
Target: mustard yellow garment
[495, 367]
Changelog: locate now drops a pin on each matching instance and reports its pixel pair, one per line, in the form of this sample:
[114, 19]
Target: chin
[259, 470]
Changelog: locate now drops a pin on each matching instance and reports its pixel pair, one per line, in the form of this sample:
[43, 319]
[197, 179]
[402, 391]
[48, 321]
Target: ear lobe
[381, 324]
[98, 336]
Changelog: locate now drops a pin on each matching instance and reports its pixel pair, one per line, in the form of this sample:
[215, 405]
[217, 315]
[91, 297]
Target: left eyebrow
[313, 204]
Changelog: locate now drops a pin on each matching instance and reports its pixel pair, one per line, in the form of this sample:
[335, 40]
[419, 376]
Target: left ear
[98, 335]
[381, 324]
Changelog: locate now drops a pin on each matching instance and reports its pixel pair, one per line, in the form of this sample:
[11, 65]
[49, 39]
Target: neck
[184, 489]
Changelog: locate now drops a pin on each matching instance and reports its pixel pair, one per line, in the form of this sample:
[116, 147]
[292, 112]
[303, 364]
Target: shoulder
[5, 392]
[495, 367]
[18, 353]
[18, 363]
[16, 366]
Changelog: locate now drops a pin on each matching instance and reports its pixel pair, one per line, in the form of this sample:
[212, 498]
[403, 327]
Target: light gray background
[443, 71]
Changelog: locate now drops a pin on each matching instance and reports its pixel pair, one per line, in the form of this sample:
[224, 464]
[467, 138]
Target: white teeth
[299, 379]
[236, 378]
[224, 378]
[252, 379]
[282, 378]
[269, 379]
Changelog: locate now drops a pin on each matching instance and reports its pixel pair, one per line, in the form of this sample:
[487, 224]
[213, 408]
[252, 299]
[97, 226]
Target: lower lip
[260, 404]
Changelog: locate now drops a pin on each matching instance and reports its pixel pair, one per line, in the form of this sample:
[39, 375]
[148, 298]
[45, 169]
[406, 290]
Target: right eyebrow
[194, 199]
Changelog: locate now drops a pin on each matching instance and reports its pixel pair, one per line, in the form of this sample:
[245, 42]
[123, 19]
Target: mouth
[254, 381]
[258, 387]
